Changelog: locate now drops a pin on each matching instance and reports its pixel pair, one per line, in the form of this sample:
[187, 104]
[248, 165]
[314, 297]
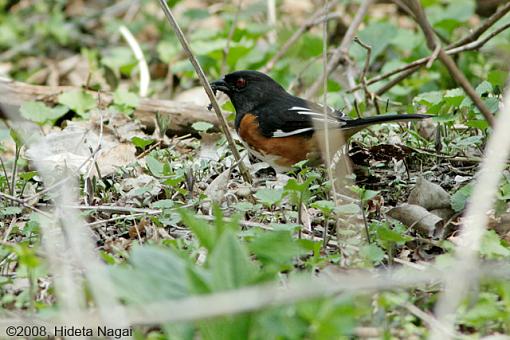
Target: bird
[280, 128]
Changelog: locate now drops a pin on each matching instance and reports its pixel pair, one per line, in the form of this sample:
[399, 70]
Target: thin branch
[476, 33]
[363, 76]
[205, 84]
[452, 49]
[25, 204]
[261, 296]
[475, 221]
[340, 53]
[233, 27]
[145, 77]
[448, 62]
[315, 20]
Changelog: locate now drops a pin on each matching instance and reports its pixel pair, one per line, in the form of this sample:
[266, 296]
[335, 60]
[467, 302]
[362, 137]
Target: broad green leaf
[373, 253]
[347, 209]
[230, 264]
[385, 234]
[124, 97]
[491, 246]
[7, 211]
[459, 198]
[325, 206]
[202, 126]
[40, 113]
[269, 197]
[155, 167]
[78, 101]
[155, 274]
[497, 77]
[484, 88]
[454, 97]
[378, 36]
[203, 231]
[429, 98]
[275, 247]
[141, 142]
[168, 50]
[163, 204]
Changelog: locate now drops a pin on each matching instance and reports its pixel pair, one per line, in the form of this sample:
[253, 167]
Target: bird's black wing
[295, 116]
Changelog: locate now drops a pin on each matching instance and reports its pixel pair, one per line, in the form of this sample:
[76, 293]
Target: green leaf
[325, 206]
[202, 230]
[141, 142]
[202, 126]
[275, 247]
[347, 209]
[459, 198]
[497, 77]
[454, 97]
[373, 253]
[7, 211]
[378, 36]
[39, 113]
[484, 312]
[491, 246]
[484, 88]
[269, 197]
[163, 204]
[125, 98]
[168, 50]
[78, 101]
[155, 167]
[294, 185]
[155, 274]
[16, 137]
[230, 264]
[429, 98]
[385, 234]
[369, 194]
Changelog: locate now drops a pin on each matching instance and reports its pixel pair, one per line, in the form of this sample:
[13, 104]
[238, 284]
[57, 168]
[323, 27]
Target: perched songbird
[278, 127]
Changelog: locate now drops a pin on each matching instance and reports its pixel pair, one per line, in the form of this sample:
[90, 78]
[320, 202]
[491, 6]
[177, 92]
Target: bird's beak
[220, 85]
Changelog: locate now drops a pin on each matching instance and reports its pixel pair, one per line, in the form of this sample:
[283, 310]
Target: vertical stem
[205, 84]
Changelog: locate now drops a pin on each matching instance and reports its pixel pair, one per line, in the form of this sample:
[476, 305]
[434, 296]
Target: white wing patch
[306, 111]
[279, 133]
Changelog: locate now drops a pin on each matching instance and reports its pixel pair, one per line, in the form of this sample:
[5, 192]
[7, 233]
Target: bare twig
[233, 27]
[476, 33]
[205, 84]
[24, 203]
[315, 20]
[142, 64]
[475, 222]
[340, 53]
[459, 77]
[471, 44]
[261, 296]
[363, 77]
[271, 20]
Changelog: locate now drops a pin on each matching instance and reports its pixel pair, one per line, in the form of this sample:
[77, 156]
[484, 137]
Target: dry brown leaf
[216, 190]
[195, 95]
[71, 147]
[429, 195]
[418, 218]
[208, 148]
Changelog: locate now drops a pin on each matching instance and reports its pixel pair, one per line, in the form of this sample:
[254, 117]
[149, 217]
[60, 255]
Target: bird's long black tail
[355, 125]
[362, 122]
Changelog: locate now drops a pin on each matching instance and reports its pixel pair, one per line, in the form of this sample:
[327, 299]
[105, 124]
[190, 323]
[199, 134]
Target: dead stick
[467, 43]
[340, 53]
[459, 77]
[205, 84]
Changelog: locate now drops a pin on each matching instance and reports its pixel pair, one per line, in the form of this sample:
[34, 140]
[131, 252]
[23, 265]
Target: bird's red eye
[240, 83]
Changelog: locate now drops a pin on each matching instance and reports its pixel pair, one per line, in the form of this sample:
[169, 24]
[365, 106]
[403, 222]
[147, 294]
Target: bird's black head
[248, 89]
